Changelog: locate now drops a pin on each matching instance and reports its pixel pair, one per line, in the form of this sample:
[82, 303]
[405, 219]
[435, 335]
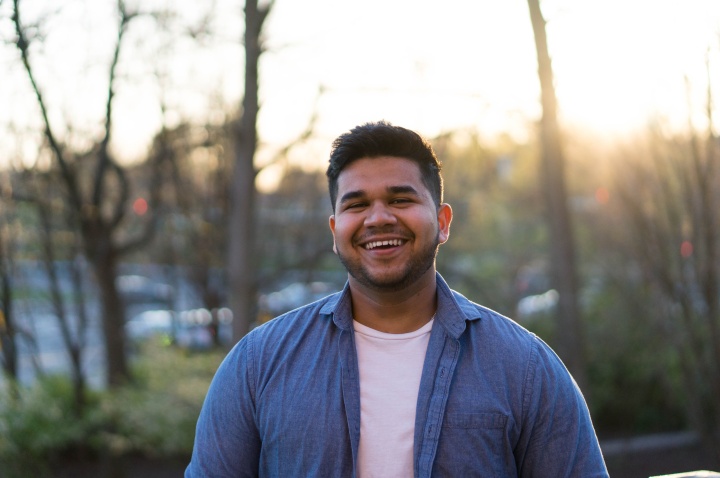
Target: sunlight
[618, 65]
[626, 62]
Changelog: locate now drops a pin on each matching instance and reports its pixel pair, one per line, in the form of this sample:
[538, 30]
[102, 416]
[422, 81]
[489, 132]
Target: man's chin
[389, 279]
[387, 282]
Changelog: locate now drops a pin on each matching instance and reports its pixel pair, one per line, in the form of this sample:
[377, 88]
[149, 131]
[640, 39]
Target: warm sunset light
[618, 66]
[180, 292]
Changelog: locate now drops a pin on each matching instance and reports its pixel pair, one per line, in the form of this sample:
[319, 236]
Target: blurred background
[162, 191]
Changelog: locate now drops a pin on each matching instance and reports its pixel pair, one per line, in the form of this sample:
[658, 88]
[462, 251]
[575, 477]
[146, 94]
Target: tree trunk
[7, 332]
[81, 331]
[242, 263]
[73, 342]
[104, 264]
[569, 337]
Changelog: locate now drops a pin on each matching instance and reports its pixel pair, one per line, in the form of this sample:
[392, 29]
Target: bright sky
[431, 66]
[473, 62]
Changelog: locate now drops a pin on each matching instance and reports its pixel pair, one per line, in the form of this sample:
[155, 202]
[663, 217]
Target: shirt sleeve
[557, 438]
[227, 442]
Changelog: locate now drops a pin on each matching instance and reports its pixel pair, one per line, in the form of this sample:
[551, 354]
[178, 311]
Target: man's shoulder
[489, 326]
[315, 314]
[503, 344]
[485, 317]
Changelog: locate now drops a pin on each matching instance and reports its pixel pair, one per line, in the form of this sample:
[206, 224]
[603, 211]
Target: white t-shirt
[390, 367]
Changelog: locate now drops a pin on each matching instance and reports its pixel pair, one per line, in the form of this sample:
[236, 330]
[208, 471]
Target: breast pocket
[474, 444]
[475, 420]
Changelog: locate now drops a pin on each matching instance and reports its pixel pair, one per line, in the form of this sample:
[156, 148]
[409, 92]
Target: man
[397, 375]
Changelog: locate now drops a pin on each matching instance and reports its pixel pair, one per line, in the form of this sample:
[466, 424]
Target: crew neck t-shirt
[390, 367]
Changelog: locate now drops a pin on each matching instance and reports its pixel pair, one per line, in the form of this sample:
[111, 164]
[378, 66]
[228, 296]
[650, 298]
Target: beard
[393, 281]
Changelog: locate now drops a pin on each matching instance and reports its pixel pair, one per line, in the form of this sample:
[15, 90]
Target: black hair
[372, 140]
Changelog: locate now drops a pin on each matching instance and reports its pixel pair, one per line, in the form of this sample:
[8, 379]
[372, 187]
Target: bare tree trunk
[562, 250]
[242, 263]
[73, 342]
[103, 258]
[675, 187]
[81, 331]
[7, 330]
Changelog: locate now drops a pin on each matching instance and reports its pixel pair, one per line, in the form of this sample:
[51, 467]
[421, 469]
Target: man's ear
[332, 229]
[444, 217]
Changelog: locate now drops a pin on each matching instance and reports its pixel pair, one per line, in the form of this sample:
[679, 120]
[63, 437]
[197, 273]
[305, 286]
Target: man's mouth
[383, 244]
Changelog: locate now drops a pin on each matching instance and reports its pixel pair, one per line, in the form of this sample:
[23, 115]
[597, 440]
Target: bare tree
[295, 216]
[97, 191]
[669, 194]
[72, 332]
[242, 263]
[569, 336]
[200, 195]
[201, 171]
[8, 342]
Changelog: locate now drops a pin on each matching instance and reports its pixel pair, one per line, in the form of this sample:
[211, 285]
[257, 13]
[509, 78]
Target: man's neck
[395, 312]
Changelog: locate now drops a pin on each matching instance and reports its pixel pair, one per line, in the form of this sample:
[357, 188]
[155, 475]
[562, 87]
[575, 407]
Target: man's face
[386, 227]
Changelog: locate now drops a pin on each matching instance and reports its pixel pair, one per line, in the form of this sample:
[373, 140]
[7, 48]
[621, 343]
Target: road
[41, 348]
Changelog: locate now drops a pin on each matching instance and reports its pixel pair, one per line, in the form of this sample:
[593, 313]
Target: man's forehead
[381, 167]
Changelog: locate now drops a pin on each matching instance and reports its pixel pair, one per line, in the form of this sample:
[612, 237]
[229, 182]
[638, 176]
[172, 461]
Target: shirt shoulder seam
[250, 366]
[530, 376]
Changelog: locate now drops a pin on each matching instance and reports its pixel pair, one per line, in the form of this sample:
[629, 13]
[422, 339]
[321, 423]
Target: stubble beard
[413, 270]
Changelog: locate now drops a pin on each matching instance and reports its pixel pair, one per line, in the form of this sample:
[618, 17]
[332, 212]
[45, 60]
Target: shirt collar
[453, 311]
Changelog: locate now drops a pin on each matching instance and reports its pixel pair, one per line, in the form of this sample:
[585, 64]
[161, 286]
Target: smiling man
[396, 375]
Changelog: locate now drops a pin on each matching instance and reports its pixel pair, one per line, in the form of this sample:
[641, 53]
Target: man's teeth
[392, 242]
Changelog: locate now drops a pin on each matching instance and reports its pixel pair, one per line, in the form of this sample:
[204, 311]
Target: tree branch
[157, 161]
[104, 158]
[119, 212]
[66, 169]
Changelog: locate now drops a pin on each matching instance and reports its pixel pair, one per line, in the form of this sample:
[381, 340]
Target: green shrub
[154, 416]
[634, 373]
[39, 425]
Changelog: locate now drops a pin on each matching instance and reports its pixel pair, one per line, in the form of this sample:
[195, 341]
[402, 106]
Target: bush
[154, 416]
[40, 425]
[634, 373]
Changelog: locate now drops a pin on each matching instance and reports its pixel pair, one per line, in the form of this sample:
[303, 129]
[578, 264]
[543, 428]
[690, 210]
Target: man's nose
[379, 214]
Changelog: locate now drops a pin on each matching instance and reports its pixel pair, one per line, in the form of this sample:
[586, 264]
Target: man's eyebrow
[403, 190]
[400, 189]
[350, 195]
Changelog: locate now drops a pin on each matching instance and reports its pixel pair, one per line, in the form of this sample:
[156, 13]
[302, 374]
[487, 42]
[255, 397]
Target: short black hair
[372, 140]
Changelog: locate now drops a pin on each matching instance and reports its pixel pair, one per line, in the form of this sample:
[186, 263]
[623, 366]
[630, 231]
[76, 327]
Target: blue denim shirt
[494, 400]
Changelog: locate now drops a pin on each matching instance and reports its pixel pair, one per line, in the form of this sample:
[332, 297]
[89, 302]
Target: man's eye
[400, 201]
